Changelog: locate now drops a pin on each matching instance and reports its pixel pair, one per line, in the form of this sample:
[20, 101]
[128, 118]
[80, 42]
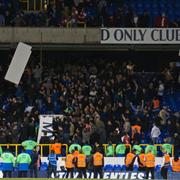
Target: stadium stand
[92, 13]
[99, 101]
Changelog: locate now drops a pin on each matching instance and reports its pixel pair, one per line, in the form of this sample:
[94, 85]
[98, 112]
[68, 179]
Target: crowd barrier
[45, 148]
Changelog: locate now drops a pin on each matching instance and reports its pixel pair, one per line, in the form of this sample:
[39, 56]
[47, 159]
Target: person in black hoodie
[34, 163]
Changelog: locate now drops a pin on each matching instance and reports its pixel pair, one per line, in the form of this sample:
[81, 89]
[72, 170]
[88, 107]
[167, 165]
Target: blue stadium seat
[123, 168]
[44, 166]
[117, 167]
[108, 167]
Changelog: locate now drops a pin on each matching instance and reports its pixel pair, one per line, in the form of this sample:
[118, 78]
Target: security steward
[129, 160]
[23, 161]
[69, 163]
[150, 164]
[164, 169]
[176, 164]
[81, 164]
[141, 161]
[52, 166]
[8, 163]
[98, 164]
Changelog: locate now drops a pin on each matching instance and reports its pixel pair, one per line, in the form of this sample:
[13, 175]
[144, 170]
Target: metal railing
[17, 148]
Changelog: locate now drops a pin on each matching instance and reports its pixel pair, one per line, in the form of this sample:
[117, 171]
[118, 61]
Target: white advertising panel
[140, 36]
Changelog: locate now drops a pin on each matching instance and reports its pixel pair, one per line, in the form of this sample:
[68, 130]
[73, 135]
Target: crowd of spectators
[100, 100]
[93, 13]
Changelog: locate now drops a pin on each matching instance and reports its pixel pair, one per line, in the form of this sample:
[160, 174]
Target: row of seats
[109, 167]
[156, 7]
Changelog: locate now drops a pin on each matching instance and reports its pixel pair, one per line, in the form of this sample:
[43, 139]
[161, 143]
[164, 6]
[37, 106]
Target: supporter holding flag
[23, 161]
[8, 163]
[29, 145]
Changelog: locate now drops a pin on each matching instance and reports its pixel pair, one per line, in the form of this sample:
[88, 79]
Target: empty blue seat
[117, 167]
[123, 168]
[44, 166]
[108, 167]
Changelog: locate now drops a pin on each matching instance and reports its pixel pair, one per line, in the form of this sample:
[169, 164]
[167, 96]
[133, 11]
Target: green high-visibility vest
[137, 148]
[23, 158]
[8, 157]
[86, 149]
[152, 148]
[120, 149]
[110, 150]
[29, 144]
[167, 147]
[72, 147]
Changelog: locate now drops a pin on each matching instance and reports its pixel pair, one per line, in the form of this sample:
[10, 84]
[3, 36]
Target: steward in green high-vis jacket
[120, 150]
[72, 147]
[23, 158]
[23, 161]
[1, 151]
[8, 163]
[110, 150]
[86, 149]
[151, 148]
[138, 149]
[29, 145]
[167, 148]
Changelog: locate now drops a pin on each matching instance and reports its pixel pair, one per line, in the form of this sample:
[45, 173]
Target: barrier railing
[16, 148]
[45, 148]
[33, 5]
[127, 146]
[159, 145]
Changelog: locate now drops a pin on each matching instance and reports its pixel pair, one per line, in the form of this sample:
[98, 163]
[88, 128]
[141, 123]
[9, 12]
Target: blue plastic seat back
[44, 166]
[117, 167]
[123, 168]
[108, 167]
